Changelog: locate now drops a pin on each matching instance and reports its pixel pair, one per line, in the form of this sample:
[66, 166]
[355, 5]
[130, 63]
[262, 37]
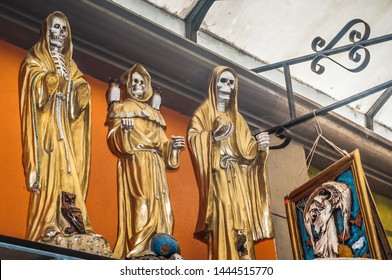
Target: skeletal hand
[35, 189]
[263, 141]
[127, 123]
[33, 186]
[222, 129]
[178, 142]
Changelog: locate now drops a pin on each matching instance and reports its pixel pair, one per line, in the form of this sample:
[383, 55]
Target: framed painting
[330, 216]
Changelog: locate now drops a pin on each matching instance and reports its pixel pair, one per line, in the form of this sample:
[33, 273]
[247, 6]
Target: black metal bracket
[357, 53]
[284, 134]
[195, 18]
[369, 116]
[277, 130]
[355, 37]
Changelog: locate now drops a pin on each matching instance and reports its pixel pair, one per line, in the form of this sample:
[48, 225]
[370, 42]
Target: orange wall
[102, 195]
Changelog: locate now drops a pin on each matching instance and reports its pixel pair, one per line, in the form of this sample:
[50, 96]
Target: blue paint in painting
[305, 240]
[357, 241]
[358, 235]
[338, 216]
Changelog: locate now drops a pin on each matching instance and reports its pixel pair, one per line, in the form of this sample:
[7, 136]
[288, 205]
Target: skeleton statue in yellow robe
[55, 108]
[136, 135]
[229, 164]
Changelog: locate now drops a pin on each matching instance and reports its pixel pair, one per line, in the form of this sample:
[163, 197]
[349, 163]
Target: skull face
[225, 85]
[138, 85]
[58, 32]
[320, 212]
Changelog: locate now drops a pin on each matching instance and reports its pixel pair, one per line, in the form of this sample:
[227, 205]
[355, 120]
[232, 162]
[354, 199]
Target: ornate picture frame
[331, 215]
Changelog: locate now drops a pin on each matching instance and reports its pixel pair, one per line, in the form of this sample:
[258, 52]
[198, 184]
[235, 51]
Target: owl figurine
[156, 98]
[241, 242]
[72, 214]
[113, 93]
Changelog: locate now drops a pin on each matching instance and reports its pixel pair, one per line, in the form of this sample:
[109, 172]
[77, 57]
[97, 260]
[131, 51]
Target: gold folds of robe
[53, 165]
[233, 193]
[144, 152]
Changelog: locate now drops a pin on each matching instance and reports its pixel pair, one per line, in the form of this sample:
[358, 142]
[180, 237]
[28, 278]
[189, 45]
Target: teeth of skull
[224, 95]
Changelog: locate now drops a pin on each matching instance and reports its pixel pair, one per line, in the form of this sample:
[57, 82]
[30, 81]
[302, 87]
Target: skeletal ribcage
[59, 61]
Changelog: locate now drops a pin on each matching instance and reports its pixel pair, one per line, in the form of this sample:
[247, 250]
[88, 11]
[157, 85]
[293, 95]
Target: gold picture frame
[331, 215]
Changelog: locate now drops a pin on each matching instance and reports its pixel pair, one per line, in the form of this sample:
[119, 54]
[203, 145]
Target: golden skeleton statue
[136, 135]
[55, 110]
[229, 164]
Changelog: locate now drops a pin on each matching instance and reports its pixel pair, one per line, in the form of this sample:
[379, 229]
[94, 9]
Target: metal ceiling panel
[180, 8]
[276, 31]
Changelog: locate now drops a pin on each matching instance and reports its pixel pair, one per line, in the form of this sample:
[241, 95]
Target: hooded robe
[144, 152]
[233, 194]
[56, 135]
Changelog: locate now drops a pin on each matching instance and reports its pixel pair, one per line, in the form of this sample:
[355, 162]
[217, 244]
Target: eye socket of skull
[227, 81]
[59, 26]
[138, 82]
[58, 32]
[63, 29]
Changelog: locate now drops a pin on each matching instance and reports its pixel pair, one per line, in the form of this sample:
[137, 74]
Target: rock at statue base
[148, 256]
[151, 256]
[86, 243]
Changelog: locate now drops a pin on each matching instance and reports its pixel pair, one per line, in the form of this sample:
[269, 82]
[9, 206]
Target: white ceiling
[271, 31]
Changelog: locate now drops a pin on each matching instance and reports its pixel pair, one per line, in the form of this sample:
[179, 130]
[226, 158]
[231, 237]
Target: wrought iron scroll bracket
[284, 134]
[357, 53]
[355, 37]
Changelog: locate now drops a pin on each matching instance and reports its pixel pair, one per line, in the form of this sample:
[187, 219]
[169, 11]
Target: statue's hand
[32, 179]
[127, 123]
[263, 141]
[52, 82]
[222, 128]
[35, 189]
[178, 142]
